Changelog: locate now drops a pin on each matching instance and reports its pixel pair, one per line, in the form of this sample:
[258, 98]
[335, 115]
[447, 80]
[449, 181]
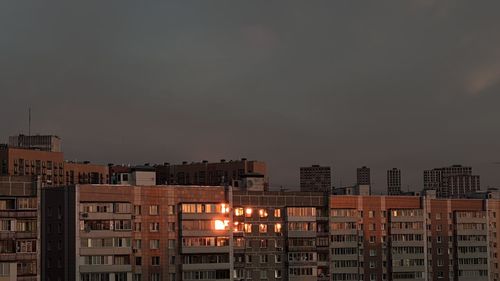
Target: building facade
[452, 182]
[394, 181]
[217, 233]
[316, 178]
[19, 228]
[85, 173]
[39, 142]
[20, 162]
[363, 176]
[212, 174]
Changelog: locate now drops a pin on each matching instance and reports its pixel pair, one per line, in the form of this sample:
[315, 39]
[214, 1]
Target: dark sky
[408, 84]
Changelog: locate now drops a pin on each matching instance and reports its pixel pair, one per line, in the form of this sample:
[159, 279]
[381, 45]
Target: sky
[407, 84]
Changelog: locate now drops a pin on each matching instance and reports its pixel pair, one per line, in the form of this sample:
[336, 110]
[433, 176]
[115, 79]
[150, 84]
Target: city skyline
[392, 84]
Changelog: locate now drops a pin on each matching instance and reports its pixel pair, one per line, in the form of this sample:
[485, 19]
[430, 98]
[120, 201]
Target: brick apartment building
[85, 173]
[212, 174]
[216, 233]
[19, 228]
[50, 166]
[22, 161]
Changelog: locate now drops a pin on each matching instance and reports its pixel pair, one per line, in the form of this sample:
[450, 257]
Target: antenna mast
[29, 127]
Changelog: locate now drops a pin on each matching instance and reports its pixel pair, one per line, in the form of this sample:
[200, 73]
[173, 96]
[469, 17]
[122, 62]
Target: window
[373, 253]
[137, 277]
[262, 228]
[239, 212]
[277, 228]
[247, 227]
[137, 244]
[264, 259]
[137, 210]
[263, 243]
[138, 260]
[4, 269]
[371, 214]
[153, 210]
[277, 213]
[248, 212]
[277, 274]
[373, 239]
[277, 258]
[155, 260]
[154, 244]
[171, 209]
[263, 213]
[154, 227]
[155, 276]
[171, 226]
[263, 274]
[171, 243]
[137, 226]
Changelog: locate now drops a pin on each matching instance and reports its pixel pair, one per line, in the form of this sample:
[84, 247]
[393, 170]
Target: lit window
[262, 213]
[221, 224]
[263, 228]
[248, 228]
[248, 212]
[277, 213]
[224, 208]
[277, 228]
[238, 212]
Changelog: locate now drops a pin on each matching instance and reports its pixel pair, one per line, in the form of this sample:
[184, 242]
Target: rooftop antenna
[29, 127]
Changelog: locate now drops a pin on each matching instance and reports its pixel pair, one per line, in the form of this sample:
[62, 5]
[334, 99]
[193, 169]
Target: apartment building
[49, 143]
[19, 228]
[280, 236]
[20, 162]
[211, 174]
[316, 178]
[120, 232]
[452, 182]
[394, 181]
[85, 173]
[363, 176]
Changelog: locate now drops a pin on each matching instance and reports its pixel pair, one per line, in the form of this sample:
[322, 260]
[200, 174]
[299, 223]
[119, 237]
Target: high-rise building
[451, 182]
[20, 162]
[50, 166]
[316, 178]
[202, 233]
[363, 176]
[212, 174]
[20, 228]
[394, 181]
[40, 142]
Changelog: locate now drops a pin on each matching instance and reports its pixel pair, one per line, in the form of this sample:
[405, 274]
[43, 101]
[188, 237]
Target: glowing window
[277, 213]
[263, 228]
[248, 228]
[262, 213]
[221, 224]
[277, 228]
[238, 212]
[248, 212]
